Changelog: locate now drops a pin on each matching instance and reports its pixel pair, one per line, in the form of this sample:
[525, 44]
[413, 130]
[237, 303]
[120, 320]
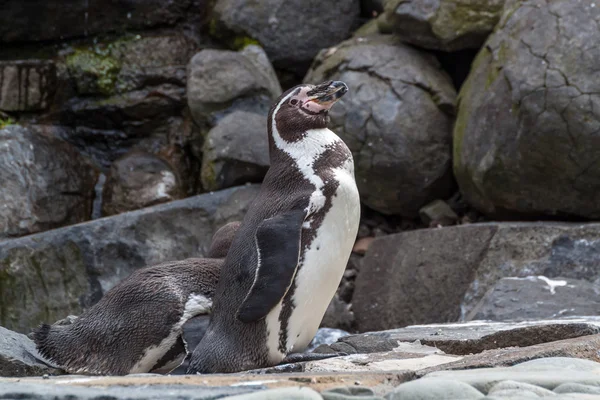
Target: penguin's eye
[294, 102]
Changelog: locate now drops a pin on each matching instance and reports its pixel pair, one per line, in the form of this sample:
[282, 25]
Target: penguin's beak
[327, 93]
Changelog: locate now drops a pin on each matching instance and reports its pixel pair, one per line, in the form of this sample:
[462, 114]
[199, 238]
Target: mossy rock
[93, 72]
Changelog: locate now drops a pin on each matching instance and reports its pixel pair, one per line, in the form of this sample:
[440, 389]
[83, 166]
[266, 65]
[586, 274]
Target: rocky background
[131, 130]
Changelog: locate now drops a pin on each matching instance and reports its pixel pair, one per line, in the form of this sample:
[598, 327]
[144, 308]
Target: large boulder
[448, 25]
[291, 32]
[44, 183]
[529, 114]
[419, 277]
[61, 272]
[139, 180]
[236, 151]
[26, 85]
[41, 20]
[396, 118]
[220, 81]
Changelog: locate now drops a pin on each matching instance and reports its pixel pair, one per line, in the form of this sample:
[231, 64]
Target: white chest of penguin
[324, 259]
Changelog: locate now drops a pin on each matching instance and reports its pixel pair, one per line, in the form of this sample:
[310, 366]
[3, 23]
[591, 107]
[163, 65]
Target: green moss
[239, 42]
[232, 40]
[94, 70]
[4, 122]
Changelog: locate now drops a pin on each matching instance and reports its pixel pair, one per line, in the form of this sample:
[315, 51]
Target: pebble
[288, 393]
[514, 386]
[350, 393]
[434, 389]
[577, 388]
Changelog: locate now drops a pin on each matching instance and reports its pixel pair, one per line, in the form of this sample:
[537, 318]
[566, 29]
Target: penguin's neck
[305, 151]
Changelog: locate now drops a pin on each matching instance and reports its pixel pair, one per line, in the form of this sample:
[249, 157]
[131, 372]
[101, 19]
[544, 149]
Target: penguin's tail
[47, 339]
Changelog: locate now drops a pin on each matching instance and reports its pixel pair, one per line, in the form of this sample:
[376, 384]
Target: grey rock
[139, 180]
[325, 336]
[447, 25]
[48, 20]
[484, 379]
[468, 338]
[26, 85]
[522, 136]
[31, 391]
[434, 389]
[290, 42]
[44, 183]
[60, 272]
[576, 388]
[390, 291]
[513, 386]
[438, 213]
[350, 393]
[537, 297]
[291, 393]
[236, 151]
[338, 315]
[220, 81]
[570, 363]
[18, 356]
[401, 148]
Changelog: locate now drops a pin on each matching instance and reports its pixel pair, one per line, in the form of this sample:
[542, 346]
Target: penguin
[291, 250]
[136, 327]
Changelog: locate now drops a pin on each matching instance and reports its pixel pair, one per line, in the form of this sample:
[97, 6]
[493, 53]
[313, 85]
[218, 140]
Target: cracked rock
[447, 25]
[396, 118]
[529, 114]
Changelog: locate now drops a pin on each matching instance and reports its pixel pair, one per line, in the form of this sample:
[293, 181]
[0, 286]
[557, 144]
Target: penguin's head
[304, 107]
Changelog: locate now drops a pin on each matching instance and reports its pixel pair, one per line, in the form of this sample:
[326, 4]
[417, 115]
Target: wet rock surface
[60, 272]
[447, 25]
[44, 183]
[26, 85]
[401, 149]
[221, 81]
[139, 180]
[400, 295]
[235, 151]
[290, 42]
[522, 134]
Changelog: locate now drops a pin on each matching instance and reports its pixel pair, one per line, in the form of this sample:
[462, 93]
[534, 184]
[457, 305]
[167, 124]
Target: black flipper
[278, 241]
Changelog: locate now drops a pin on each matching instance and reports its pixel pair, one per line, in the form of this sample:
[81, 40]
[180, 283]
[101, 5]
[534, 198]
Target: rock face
[220, 81]
[44, 183]
[51, 20]
[57, 273]
[523, 134]
[26, 85]
[139, 180]
[18, 356]
[401, 148]
[419, 277]
[290, 42]
[535, 297]
[236, 151]
[448, 25]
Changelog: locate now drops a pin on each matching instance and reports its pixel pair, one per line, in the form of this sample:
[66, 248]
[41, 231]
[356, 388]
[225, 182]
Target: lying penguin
[137, 325]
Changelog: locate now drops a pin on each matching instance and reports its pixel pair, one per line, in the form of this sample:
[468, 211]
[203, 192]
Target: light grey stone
[506, 386]
[577, 388]
[434, 389]
[19, 357]
[570, 363]
[289, 393]
[26, 85]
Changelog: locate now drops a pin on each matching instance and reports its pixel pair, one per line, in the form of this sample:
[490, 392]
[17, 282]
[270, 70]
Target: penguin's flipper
[278, 241]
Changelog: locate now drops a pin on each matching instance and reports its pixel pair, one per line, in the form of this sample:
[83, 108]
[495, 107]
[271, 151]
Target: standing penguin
[137, 325]
[289, 255]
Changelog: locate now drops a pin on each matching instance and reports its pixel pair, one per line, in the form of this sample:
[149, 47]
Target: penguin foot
[303, 357]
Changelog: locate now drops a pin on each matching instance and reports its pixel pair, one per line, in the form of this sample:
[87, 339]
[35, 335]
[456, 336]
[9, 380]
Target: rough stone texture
[26, 85]
[44, 183]
[57, 273]
[220, 81]
[139, 180]
[338, 315]
[40, 20]
[513, 386]
[325, 336]
[577, 388]
[290, 42]
[291, 393]
[448, 25]
[18, 356]
[434, 389]
[467, 338]
[545, 375]
[417, 277]
[401, 147]
[584, 347]
[529, 114]
[236, 151]
[350, 393]
[536, 297]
